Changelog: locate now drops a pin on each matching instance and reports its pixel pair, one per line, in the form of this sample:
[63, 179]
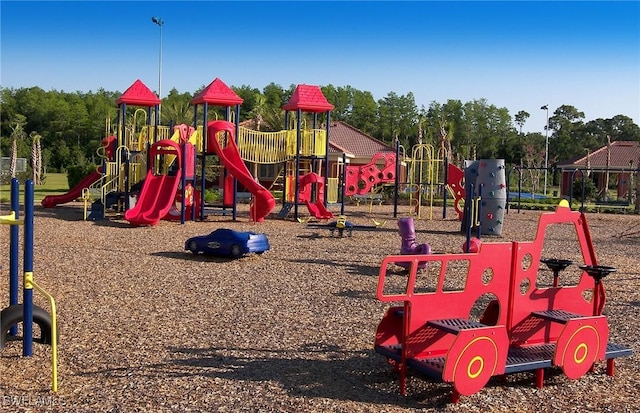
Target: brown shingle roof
[621, 153]
[346, 138]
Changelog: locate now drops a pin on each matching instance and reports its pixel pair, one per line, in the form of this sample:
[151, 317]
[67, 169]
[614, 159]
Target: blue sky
[519, 55]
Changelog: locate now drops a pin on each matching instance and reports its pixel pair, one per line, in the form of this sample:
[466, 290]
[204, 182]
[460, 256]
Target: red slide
[158, 191]
[263, 202]
[316, 209]
[51, 201]
[155, 200]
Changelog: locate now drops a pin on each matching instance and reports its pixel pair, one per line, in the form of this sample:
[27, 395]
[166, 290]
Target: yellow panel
[332, 190]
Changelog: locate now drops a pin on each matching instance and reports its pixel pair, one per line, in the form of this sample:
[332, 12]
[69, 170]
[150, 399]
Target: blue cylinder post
[14, 249]
[234, 211]
[205, 151]
[479, 212]
[468, 213]
[27, 287]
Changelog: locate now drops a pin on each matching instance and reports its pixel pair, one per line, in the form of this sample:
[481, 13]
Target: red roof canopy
[138, 94]
[620, 155]
[346, 138]
[217, 93]
[308, 98]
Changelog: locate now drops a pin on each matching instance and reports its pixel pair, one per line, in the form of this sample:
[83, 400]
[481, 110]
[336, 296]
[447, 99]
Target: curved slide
[51, 201]
[158, 191]
[316, 209]
[263, 202]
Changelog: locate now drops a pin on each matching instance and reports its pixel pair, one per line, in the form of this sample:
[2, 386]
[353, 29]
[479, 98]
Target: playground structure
[81, 188]
[427, 172]
[26, 314]
[525, 326]
[131, 163]
[303, 154]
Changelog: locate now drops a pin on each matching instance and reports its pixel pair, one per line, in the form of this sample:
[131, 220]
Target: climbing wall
[489, 175]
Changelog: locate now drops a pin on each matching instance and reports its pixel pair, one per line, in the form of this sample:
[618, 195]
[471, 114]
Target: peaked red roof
[620, 155]
[217, 93]
[138, 94]
[345, 138]
[308, 98]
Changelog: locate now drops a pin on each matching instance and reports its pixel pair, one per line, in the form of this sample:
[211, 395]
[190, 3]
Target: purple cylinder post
[409, 245]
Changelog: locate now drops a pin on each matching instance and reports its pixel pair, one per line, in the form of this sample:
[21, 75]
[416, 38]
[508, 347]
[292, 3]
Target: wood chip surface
[145, 326]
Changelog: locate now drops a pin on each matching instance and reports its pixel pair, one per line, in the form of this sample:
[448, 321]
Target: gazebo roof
[217, 93]
[308, 98]
[138, 94]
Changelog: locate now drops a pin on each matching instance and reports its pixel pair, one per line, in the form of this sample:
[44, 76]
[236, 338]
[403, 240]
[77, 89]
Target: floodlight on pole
[160, 23]
[546, 147]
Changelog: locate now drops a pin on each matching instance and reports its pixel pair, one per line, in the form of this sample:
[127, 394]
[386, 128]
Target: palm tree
[36, 158]
[258, 111]
[178, 112]
[17, 132]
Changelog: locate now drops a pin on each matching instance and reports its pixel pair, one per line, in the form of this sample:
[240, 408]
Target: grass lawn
[54, 184]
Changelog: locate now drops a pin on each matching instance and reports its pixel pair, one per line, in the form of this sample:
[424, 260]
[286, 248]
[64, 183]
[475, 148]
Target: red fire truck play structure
[523, 328]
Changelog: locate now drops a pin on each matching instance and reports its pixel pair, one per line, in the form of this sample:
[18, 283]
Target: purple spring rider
[409, 245]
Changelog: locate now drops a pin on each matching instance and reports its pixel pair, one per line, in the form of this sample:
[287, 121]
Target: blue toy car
[228, 243]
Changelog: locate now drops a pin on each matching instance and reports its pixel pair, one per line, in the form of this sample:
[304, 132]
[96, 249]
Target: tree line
[70, 126]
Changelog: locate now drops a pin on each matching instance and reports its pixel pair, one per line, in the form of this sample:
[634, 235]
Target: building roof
[138, 94]
[621, 155]
[308, 98]
[217, 93]
[344, 138]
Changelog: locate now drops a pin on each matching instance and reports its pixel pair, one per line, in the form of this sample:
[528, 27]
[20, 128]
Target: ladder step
[393, 352]
[616, 350]
[431, 367]
[529, 358]
[454, 325]
[559, 316]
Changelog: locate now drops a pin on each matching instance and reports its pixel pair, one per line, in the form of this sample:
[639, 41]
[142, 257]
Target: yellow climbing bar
[54, 336]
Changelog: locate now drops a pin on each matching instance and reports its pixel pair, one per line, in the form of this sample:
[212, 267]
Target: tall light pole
[546, 147]
[160, 23]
